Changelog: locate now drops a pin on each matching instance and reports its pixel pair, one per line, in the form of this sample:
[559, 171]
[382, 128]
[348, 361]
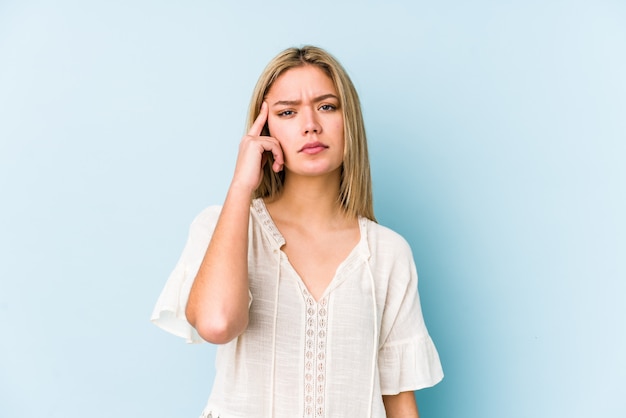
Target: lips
[313, 148]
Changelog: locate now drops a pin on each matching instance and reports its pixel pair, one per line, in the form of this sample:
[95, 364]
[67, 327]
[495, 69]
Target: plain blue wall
[497, 137]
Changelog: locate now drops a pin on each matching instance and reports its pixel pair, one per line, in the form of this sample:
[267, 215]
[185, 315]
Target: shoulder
[204, 222]
[208, 216]
[390, 261]
[386, 242]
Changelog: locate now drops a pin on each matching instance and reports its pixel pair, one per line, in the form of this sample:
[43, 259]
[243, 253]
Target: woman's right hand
[252, 154]
[219, 297]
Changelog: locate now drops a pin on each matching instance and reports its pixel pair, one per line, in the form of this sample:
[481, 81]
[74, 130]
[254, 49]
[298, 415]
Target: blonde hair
[355, 192]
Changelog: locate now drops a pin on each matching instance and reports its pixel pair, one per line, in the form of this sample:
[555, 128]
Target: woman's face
[305, 117]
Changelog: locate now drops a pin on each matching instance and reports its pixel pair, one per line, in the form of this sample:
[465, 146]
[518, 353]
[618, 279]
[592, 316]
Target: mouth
[313, 148]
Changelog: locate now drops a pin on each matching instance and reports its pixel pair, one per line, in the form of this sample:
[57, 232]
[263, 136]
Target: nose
[311, 124]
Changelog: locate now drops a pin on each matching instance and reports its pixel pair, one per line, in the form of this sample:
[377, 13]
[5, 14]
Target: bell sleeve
[408, 359]
[169, 312]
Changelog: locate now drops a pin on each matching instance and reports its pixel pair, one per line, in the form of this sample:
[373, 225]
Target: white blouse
[335, 357]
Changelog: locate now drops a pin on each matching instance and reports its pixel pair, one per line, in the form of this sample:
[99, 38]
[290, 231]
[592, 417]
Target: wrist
[241, 190]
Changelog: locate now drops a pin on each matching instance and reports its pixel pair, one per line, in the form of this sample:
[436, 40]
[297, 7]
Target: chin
[318, 171]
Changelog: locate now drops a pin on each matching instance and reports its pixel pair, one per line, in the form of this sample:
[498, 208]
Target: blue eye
[327, 107]
[286, 113]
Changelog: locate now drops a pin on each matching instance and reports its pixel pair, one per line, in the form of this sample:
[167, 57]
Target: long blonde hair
[355, 192]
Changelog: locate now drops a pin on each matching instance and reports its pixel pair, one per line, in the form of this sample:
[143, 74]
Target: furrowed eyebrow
[297, 102]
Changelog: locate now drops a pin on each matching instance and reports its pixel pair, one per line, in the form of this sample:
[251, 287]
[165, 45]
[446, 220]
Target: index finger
[259, 122]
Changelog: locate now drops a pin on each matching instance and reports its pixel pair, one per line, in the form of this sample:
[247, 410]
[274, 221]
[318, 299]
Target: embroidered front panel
[315, 356]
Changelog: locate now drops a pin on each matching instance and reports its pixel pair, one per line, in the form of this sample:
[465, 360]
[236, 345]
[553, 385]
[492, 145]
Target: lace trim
[268, 223]
[266, 220]
[316, 332]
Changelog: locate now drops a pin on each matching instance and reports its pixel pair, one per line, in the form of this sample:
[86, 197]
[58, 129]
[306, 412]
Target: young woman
[313, 304]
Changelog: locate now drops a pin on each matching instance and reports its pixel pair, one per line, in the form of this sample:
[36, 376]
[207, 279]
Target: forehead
[306, 79]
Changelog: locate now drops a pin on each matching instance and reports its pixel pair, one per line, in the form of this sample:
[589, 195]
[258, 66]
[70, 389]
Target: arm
[402, 405]
[218, 301]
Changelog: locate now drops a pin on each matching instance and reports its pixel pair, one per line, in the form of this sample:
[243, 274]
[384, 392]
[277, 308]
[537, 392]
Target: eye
[328, 107]
[286, 113]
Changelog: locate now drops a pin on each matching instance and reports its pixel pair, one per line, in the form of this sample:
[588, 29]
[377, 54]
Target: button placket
[315, 356]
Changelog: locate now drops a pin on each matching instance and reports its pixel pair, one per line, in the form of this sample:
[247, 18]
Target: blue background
[497, 136]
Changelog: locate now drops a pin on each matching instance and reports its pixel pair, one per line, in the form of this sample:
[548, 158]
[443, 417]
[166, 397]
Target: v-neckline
[359, 248]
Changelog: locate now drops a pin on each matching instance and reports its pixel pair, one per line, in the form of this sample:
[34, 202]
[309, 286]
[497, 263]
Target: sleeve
[407, 358]
[169, 312]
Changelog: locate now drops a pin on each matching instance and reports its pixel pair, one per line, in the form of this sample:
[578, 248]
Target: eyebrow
[297, 102]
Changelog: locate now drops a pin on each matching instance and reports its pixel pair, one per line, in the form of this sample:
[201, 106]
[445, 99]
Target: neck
[313, 199]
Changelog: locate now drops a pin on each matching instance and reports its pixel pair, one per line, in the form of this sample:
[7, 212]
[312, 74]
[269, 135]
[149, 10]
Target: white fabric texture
[335, 357]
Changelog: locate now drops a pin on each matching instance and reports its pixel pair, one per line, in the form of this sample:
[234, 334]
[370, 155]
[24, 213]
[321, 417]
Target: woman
[314, 305]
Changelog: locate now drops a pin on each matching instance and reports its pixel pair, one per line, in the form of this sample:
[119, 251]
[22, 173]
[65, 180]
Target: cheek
[338, 129]
[280, 131]
[276, 129]
[337, 124]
